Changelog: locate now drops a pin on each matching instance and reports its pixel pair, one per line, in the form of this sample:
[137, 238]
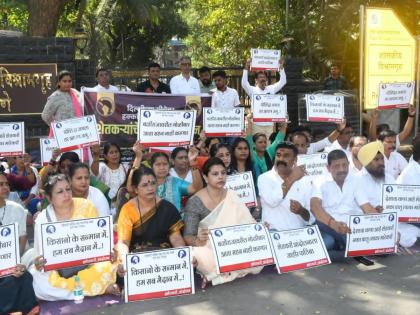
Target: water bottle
[78, 291]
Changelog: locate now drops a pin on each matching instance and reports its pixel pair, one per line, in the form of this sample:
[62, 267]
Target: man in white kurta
[394, 161]
[411, 173]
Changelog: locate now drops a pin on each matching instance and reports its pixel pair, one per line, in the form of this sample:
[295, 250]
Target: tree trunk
[44, 16]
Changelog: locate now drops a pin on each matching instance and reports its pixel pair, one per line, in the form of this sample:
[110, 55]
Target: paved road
[391, 287]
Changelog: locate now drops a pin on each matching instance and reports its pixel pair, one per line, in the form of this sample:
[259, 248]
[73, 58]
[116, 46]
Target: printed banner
[158, 274]
[116, 113]
[9, 249]
[373, 234]
[324, 108]
[12, 139]
[395, 95]
[241, 247]
[47, 146]
[76, 242]
[315, 164]
[166, 128]
[404, 199]
[269, 108]
[76, 133]
[265, 59]
[299, 249]
[243, 185]
[219, 122]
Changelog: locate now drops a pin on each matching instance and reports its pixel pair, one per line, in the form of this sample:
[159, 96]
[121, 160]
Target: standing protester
[153, 85]
[261, 87]
[335, 81]
[205, 82]
[102, 77]
[223, 96]
[184, 83]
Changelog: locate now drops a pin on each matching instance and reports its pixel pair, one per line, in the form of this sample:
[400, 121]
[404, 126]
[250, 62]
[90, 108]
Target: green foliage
[14, 15]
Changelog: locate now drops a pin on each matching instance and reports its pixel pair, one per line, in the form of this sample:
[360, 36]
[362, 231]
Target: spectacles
[52, 180]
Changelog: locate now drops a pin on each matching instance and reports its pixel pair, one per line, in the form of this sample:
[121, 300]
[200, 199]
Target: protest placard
[265, 59]
[315, 164]
[269, 108]
[158, 274]
[404, 199]
[47, 146]
[324, 108]
[241, 247]
[243, 185]
[395, 95]
[76, 242]
[166, 128]
[76, 133]
[9, 249]
[12, 139]
[372, 234]
[220, 122]
[298, 249]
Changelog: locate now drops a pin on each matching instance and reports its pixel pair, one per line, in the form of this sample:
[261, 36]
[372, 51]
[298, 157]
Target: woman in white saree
[213, 207]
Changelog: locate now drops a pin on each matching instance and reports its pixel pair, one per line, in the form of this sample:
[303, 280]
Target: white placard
[12, 139]
[165, 128]
[47, 146]
[76, 242]
[299, 249]
[372, 234]
[403, 199]
[269, 108]
[241, 246]
[76, 133]
[243, 185]
[265, 59]
[395, 95]
[221, 122]
[324, 108]
[158, 274]
[9, 249]
[315, 164]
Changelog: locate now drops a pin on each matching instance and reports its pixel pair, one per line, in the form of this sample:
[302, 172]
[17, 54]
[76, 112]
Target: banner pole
[361, 68]
[416, 121]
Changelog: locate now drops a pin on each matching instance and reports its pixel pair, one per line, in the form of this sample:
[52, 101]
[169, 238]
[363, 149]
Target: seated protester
[411, 173]
[204, 146]
[153, 85]
[16, 291]
[370, 181]
[262, 154]
[22, 167]
[241, 159]
[301, 138]
[213, 207]
[342, 142]
[333, 200]
[375, 130]
[394, 161]
[222, 151]
[355, 144]
[284, 203]
[111, 172]
[181, 168]
[96, 279]
[79, 180]
[172, 188]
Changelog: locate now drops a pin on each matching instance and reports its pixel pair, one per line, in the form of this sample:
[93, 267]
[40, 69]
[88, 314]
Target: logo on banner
[257, 97]
[209, 111]
[276, 236]
[310, 231]
[383, 86]
[389, 189]
[218, 233]
[276, 52]
[88, 119]
[356, 220]
[105, 106]
[46, 141]
[337, 99]
[182, 253]
[257, 227]
[5, 232]
[237, 111]
[281, 98]
[312, 97]
[50, 229]
[391, 217]
[409, 85]
[135, 260]
[187, 115]
[15, 127]
[323, 156]
[58, 125]
[101, 223]
[245, 176]
[146, 114]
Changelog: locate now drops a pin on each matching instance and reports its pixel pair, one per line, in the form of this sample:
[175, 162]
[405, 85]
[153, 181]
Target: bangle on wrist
[412, 116]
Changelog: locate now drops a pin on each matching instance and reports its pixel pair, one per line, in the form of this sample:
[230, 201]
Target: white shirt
[180, 85]
[99, 200]
[187, 178]
[410, 175]
[14, 212]
[269, 89]
[112, 178]
[111, 88]
[315, 147]
[352, 167]
[337, 146]
[276, 209]
[395, 164]
[340, 204]
[225, 99]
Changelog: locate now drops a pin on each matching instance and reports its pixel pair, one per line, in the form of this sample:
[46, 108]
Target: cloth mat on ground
[70, 308]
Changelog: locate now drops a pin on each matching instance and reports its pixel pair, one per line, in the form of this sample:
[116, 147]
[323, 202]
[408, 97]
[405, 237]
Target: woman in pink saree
[213, 207]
